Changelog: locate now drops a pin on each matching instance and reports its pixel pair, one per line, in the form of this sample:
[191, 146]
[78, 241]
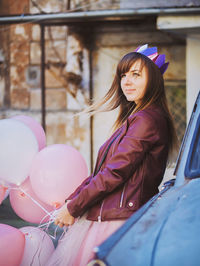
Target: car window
[192, 168]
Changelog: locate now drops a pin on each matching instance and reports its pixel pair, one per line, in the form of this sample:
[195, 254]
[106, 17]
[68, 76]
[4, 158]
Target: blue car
[166, 230]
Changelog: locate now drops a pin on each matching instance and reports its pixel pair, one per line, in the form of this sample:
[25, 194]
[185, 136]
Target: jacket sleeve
[141, 135]
[79, 188]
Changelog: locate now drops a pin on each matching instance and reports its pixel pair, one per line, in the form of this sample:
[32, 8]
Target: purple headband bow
[152, 53]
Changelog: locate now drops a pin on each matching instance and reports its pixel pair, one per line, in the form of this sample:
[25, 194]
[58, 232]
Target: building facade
[51, 68]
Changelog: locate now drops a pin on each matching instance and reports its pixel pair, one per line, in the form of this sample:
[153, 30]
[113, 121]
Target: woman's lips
[129, 90]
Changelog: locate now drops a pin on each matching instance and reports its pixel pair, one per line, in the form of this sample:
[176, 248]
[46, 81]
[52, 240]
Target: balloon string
[37, 203]
[63, 234]
[45, 227]
[50, 214]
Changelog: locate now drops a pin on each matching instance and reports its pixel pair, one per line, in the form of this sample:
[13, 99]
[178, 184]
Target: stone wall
[67, 69]
[111, 43]
[66, 79]
[66, 84]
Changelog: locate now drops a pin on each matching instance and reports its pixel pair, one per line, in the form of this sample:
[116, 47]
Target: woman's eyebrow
[135, 70]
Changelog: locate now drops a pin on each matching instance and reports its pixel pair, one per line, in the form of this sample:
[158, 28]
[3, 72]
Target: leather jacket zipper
[99, 217]
[122, 196]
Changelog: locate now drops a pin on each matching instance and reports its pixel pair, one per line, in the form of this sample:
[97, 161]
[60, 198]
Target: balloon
[36, 128]
[18, 148]
[11, 245]
[56, 171]
[38, 246]
[25, 206]
[3, 191]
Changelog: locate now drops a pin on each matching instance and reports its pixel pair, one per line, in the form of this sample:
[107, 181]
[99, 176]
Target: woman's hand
[63, 217]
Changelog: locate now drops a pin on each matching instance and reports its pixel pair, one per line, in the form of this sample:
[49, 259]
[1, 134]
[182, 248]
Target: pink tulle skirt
[76, 248]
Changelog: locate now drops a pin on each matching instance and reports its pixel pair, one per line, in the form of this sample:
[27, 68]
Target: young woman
[130, 164]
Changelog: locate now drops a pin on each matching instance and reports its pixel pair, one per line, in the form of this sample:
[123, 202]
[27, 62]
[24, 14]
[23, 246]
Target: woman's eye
[136, 74]
[123, 75]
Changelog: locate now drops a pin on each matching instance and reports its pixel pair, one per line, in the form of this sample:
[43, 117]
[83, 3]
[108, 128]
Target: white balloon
[18, 148]
[38, 246]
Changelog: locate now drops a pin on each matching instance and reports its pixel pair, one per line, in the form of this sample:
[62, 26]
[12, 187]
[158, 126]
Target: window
[192, 168]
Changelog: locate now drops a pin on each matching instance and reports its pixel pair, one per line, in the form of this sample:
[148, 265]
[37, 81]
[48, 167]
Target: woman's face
[134, 82]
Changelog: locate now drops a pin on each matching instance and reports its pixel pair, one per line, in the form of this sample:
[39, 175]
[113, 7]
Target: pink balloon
[56, 171]
[38, 246]
[26, 207]
[3, 191]
[12, 243]
[36, 128]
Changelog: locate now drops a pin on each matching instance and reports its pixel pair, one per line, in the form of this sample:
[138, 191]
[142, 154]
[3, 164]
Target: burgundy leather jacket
[131, 172]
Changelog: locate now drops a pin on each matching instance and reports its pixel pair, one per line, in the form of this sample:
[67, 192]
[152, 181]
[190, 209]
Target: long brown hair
[155, 93]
